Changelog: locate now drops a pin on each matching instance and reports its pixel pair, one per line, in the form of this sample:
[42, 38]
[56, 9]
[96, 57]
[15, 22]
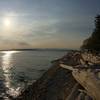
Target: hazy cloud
[46, 23]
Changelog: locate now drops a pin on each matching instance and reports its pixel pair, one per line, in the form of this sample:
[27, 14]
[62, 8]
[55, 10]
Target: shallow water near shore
[20, 68]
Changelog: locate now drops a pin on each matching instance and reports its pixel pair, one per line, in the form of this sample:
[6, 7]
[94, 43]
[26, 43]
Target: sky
[46, 23]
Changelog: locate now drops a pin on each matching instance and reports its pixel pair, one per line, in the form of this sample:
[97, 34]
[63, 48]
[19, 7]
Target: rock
[56, 84]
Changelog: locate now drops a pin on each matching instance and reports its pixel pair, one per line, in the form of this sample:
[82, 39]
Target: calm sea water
[19, 68]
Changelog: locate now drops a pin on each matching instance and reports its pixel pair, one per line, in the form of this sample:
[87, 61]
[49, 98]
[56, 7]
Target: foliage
[93, 42]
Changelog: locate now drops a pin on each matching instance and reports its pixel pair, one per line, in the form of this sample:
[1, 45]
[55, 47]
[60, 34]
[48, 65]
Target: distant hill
[93, 42]
[37, 49]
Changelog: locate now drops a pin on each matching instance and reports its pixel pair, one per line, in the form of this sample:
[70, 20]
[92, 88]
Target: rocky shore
[57, 83]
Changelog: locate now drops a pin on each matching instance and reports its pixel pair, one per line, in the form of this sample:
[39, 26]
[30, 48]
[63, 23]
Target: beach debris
[87, 75]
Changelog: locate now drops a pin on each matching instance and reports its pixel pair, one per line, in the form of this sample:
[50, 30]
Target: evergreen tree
[93, 42]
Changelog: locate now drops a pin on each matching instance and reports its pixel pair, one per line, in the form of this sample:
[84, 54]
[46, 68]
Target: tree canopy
[93, 42]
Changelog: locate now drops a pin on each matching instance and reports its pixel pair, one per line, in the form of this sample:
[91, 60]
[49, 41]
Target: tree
[93, 42]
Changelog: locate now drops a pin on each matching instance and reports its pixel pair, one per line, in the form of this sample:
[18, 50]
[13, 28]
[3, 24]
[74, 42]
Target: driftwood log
[88, 77]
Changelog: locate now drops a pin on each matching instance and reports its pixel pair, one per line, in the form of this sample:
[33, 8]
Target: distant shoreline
[37, 49]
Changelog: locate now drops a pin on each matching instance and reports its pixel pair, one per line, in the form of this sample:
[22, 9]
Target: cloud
[23, 44]
[46, 33]
[11, 44]
[14, 14]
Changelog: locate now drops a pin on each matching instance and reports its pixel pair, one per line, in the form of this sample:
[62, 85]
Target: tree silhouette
[93, 42]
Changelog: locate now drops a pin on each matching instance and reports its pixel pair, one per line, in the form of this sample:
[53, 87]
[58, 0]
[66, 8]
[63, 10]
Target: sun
[7, 22]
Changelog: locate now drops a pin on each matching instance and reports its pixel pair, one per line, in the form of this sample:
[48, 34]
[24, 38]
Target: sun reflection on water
[6, 67]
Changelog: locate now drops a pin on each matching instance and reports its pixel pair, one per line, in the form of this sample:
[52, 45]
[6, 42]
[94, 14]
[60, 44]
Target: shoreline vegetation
[93, 42]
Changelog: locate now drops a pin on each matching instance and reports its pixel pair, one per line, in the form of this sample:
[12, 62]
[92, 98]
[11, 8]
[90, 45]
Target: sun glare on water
[6, 67]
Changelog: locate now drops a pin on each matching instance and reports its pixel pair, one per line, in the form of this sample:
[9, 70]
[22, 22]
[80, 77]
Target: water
[19, 68]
